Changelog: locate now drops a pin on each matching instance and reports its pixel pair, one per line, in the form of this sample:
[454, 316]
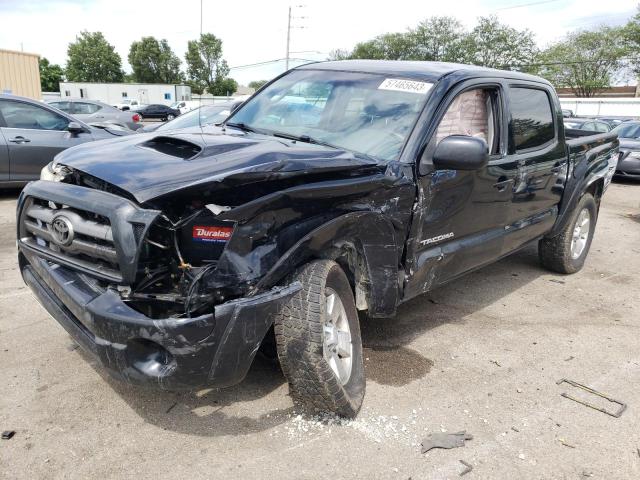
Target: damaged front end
[180, 290]
[134, 288]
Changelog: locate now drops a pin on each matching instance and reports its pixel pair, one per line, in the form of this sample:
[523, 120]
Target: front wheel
[169, 117]
[566, 252]
[319, 344]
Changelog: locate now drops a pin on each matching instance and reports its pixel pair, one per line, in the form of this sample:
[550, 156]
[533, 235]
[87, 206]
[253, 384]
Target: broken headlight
[54, 172]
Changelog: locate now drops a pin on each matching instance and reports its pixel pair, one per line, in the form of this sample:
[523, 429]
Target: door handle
[503, 183]
[19, 139]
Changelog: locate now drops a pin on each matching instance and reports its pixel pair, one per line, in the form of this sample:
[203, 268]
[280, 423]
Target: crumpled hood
[135, 165]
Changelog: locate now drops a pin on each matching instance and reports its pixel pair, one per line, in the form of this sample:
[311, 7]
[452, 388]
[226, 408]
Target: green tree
[93, 59]
[206, 68]
[50, 76]
[389, 46]
[256, 84]
[440, 39]
[493, 44]
[631, 34]
[586, 62]
[153, 61]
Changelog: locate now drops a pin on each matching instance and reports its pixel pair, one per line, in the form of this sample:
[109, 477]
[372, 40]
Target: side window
[532, 118]
[85, 108]
[25, 115]
[64, 106]
[474, 113]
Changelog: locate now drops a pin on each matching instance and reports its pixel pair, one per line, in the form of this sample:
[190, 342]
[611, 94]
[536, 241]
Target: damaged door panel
[340, 186]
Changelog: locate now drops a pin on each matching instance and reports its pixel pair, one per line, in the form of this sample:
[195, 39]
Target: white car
[128, 104]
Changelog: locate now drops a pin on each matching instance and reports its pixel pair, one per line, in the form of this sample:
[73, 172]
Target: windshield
[628, 130]
[365, 113]
[201, 116]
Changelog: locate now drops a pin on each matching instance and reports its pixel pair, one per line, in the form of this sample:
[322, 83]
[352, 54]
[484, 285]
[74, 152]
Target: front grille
[71, 235]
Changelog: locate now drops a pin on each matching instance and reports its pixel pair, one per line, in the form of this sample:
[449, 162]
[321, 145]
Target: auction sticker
[400, 85]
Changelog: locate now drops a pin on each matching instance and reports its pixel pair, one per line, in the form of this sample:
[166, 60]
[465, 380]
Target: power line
[526, 5]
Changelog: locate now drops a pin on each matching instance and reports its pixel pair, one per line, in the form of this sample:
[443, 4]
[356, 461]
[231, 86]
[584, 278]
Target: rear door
[34, 135]
[534, 142]
[464, 213]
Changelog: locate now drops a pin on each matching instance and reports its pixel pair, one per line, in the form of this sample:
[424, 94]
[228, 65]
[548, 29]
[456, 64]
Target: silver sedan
[93, 111]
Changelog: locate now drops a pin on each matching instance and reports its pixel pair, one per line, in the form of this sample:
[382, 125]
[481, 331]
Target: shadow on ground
[388, 359]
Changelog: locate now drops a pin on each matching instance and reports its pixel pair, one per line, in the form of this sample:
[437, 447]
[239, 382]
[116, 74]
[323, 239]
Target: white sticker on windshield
[400, 85]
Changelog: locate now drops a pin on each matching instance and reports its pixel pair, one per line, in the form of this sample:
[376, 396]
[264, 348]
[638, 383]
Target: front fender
[367, 236]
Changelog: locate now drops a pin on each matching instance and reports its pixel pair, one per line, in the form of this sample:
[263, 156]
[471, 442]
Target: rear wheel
[318, 342]
[567, 252]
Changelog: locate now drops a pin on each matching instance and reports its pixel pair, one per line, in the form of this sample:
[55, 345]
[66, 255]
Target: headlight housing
[54, 172]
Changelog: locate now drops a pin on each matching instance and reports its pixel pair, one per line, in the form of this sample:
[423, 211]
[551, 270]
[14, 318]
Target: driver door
[463, 213]
[34, 135]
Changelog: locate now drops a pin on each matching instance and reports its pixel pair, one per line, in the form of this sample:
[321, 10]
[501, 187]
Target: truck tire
[567, 251]
[319, 344]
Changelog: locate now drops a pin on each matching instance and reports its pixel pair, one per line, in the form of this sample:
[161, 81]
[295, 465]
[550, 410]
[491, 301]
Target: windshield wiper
[305, 139]
[241, 125]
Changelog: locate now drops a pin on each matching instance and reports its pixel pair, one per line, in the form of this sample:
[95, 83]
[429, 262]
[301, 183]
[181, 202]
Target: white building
[114, 93]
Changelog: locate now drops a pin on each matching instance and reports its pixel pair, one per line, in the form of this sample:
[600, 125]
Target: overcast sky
[255, 31]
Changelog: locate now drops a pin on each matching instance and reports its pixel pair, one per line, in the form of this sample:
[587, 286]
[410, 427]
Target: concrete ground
[482, 354]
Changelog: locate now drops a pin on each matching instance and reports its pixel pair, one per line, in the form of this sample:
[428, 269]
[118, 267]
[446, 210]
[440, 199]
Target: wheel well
[353, 264]
[596, 189]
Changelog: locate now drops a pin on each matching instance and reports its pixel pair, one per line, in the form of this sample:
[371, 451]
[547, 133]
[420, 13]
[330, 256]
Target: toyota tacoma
[338, 187]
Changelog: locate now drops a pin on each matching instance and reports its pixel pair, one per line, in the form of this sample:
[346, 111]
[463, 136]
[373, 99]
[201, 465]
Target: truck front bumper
[216, 349]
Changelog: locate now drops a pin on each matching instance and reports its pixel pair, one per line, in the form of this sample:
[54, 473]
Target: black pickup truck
[338, 187]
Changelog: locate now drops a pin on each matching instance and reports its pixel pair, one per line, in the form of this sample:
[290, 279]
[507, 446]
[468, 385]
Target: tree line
[91, 58]
[586, 61]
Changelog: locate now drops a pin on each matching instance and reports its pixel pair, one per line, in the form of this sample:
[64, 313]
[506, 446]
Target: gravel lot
[482, 354]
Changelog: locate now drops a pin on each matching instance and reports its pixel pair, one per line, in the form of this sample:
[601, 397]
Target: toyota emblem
[62, 231]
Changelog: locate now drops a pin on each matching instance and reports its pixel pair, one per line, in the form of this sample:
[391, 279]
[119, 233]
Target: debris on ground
[515, 429]
[495, 362]
[172, 407]
[616, 414]
[555, 280]
[569, 358]
[445, 440]
[564, 442]
[468, 468]
[8, 434]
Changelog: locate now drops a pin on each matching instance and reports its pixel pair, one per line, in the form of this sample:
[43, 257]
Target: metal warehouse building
[20, 74]
[114, 93]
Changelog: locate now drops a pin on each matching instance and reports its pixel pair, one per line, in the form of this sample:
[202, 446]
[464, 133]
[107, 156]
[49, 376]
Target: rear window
[532, 118]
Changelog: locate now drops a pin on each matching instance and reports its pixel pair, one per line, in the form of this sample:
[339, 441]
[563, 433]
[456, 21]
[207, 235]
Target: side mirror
[461, 152]
[235, 106]
[75, 127]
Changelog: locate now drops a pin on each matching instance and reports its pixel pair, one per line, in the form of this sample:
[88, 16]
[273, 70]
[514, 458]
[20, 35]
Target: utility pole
[200, 18]
[289, 27]
[288, 39]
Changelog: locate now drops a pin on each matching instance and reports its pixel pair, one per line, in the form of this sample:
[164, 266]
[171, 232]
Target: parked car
[32, 133]
[629, 159]
[186, 105]
[566, 113]
[205, 115]
[588, 124]
[614, 121]
[128, 104]
[93, 111]
[158, 111]
[195, 245]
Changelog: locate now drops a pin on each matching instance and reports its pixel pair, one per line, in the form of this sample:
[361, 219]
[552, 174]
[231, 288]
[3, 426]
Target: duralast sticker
[211, 234]
[400, 85]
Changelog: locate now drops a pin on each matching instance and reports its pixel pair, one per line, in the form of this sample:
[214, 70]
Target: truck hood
[151, 165]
